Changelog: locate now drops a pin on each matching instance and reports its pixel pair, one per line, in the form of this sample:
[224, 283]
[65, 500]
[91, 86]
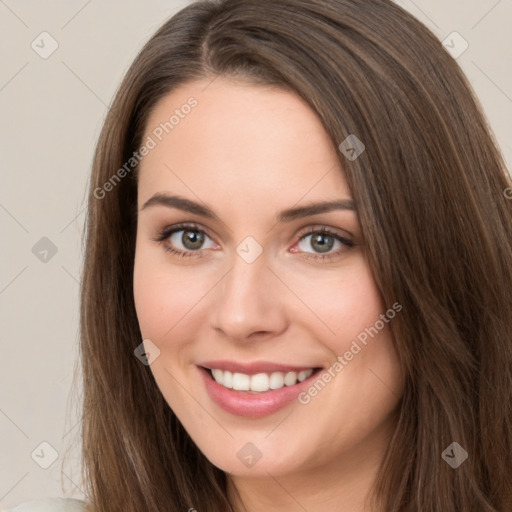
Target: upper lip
[254, 367]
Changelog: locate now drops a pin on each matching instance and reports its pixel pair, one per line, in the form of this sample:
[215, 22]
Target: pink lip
[253, 368]
[250, 404]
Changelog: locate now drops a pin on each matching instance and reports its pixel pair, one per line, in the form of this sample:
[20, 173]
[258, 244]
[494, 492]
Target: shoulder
[50, 505]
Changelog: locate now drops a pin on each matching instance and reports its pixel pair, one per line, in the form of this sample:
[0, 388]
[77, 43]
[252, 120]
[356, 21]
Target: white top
[49, 505]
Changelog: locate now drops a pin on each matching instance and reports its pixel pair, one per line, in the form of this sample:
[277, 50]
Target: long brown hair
[430, 195]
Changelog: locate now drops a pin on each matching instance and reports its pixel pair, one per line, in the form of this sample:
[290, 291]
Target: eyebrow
[288, 215]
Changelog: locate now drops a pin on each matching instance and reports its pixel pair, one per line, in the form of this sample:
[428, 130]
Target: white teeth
[259, 382]
[290, 378]
[276, 380]
[227, 382]
[304, 374]
[241, 382]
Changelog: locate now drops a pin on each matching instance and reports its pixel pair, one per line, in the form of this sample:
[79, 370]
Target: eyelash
[165, 233]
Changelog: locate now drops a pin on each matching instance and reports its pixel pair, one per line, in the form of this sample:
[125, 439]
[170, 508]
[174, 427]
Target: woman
[296, 289]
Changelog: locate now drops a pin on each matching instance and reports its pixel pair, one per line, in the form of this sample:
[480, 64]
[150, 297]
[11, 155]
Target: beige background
[51, 113]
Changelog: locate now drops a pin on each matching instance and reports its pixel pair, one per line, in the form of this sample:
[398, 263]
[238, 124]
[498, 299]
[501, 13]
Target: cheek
[162, 295]
[360, 323]
[152, 300]
[171, 303]
[342, 303]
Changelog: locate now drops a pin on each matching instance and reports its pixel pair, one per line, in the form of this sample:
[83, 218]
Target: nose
[248, 303]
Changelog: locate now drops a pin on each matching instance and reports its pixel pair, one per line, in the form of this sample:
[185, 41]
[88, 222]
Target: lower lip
[253, 405]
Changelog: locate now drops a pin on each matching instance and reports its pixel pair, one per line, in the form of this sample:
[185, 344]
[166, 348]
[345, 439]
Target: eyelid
[313, 228]
[167, 231]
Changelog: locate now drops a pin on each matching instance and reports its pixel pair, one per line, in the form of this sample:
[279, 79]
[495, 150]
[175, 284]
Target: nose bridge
[243, 278]
[246, 301]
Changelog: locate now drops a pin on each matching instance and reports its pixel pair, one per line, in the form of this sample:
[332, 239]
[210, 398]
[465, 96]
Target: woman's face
[274, 296]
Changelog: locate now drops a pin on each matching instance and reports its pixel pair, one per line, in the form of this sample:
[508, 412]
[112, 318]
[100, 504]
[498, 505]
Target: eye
[188, 240]
[184, 240]
[322, 240]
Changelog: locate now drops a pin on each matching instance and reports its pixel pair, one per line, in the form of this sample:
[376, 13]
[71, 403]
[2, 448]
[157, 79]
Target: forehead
[226, 139]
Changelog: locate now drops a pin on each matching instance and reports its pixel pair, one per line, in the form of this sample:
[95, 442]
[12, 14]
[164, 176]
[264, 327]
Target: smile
[254, 390]
[260, 382]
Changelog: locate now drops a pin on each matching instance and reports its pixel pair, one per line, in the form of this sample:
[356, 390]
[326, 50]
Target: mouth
[260, 382]
[255, 390]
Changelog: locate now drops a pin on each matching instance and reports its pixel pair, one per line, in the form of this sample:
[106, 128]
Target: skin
[248, 152]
